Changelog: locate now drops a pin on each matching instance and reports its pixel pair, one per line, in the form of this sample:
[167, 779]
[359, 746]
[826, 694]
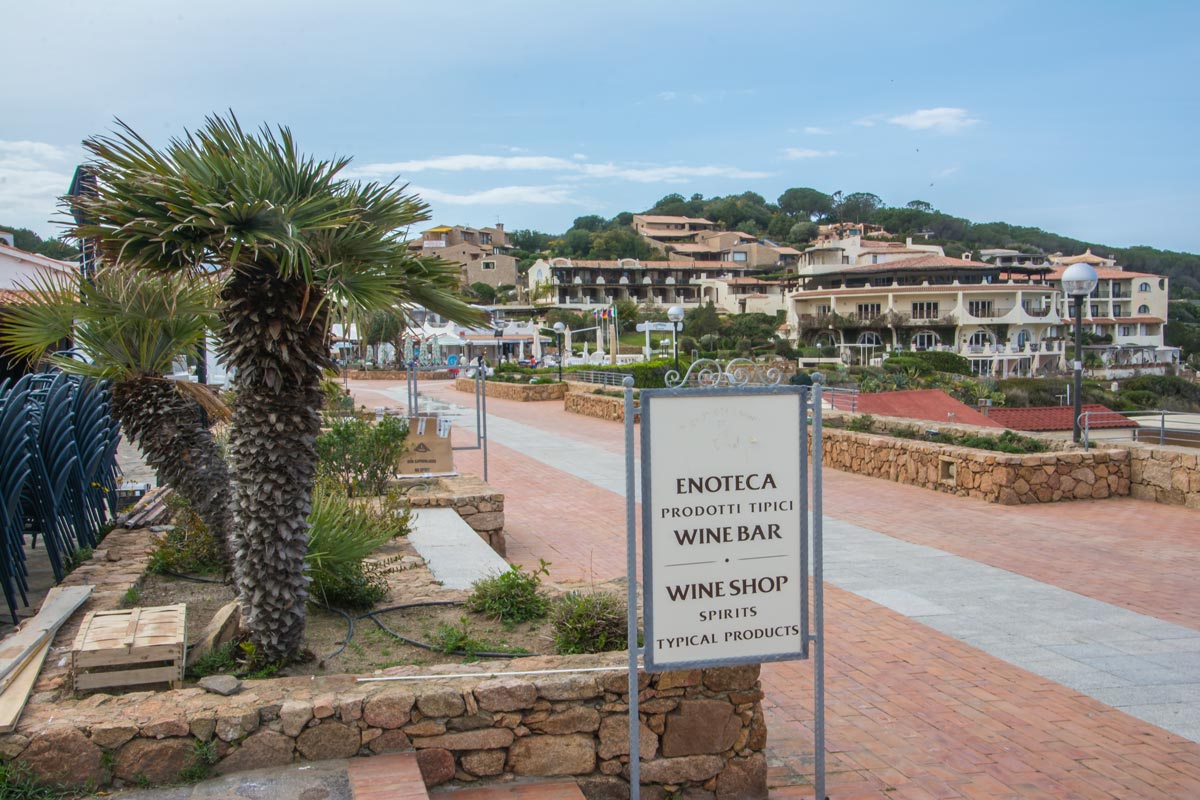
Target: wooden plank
[13, 699]
[16, 651]
[126, 677]
[105, 659]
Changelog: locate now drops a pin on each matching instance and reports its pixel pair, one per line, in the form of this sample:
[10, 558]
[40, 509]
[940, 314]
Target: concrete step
[394, 776]
[455, 554]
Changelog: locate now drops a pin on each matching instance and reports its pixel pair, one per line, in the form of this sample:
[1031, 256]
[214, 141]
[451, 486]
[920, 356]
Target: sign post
[724, 478]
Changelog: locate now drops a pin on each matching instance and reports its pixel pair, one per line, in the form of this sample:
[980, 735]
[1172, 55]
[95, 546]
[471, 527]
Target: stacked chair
[58, 473]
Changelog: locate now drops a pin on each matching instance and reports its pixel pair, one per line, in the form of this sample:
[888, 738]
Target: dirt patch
[370, 648]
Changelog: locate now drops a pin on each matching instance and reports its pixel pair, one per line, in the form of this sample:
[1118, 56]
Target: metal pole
[481, 424]
[560, 357]
[818, 601]
[1078, 408]
[675, 341]
[631, 620]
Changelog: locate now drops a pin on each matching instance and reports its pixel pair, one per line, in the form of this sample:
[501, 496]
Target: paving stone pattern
[940, 686]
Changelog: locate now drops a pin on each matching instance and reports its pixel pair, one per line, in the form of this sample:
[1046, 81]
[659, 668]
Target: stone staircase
[397, 776]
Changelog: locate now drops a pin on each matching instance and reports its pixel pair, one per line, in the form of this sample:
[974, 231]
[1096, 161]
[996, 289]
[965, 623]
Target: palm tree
[131, 328]
[293, 240]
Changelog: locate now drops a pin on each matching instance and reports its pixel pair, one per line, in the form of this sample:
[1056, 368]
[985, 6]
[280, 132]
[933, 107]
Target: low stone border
[400, 375]
[480, 505]
[702, 731]
[595, 405]
[1007, 479]
[522, 392]
[1168, 475]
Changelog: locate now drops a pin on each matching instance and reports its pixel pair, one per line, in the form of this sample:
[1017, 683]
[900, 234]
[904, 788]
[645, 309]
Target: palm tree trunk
[172, 433]
[276, 342]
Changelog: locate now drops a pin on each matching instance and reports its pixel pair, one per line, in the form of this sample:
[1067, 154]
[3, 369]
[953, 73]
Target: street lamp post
[499, 334]
[1078, 281]
[675, 314]
[559, 327]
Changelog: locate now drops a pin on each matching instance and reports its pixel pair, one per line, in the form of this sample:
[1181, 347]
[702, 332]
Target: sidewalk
[914, 711]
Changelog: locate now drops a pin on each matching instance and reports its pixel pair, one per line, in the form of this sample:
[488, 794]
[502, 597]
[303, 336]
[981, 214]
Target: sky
[1075, 117]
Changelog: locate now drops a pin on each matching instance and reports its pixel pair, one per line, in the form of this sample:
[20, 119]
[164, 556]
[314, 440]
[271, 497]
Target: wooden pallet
[130, 647]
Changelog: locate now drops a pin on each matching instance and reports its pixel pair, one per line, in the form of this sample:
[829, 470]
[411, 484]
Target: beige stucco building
[1006, 322]
[481, 252]
[573, 282]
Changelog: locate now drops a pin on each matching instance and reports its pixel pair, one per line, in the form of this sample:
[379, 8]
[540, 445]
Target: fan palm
[294, 240]
[131, 328]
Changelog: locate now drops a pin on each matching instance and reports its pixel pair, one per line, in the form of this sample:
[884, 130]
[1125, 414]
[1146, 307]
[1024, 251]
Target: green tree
[919, 205]
[132, 328]
[858, 207]
[701, 321]
[484, 292]
[591, 223]
[806, 203]
[30, 242]
[293, 240]
[801, 232]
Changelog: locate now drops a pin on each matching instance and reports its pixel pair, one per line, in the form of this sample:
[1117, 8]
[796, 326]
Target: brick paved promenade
[913, 712]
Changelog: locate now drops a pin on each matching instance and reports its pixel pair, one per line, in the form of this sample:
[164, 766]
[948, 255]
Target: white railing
[1176, 428]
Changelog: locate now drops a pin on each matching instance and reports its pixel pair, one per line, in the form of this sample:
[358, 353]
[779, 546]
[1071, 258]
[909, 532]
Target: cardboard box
[428, 450]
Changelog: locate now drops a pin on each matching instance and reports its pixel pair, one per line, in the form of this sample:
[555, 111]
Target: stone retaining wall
[399, 375]
[479, 504]
[1003, 478]
[524, 392]
[1169, 475]
[702, 729]
[595, 405]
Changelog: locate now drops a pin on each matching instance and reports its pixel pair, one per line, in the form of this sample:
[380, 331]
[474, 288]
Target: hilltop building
[574, 283]
[1126, 313]
[916, 298]
[482, 253]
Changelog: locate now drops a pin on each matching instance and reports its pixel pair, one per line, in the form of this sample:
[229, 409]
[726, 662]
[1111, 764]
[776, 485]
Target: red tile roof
[929, 404]
[12, 297]
[1057, 418]
[1103, 273]
[931, 261]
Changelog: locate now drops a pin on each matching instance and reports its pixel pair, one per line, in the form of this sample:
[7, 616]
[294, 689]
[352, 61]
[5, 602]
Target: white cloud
[947, 171]
[668, 96]
[579, 156]
[33, 175]
[793, 153]
[942, 119]
[813, 130]
[500, 195]
[868, 122]
[568, 168]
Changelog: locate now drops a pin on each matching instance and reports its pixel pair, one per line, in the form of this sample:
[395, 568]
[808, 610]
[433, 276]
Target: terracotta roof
[1117, 320]
[931, 261]
[749, 282]
[688, 247]
[1088, 257]
[12, 297]
[928, 404]
[1057, 418]
[788, 251]
[1103, 274]
[652, 264]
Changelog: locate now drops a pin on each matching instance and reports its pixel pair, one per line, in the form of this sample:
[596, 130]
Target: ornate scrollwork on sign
[740, 372]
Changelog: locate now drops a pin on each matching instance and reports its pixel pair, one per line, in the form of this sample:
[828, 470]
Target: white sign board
[655, 326]
[721, 532]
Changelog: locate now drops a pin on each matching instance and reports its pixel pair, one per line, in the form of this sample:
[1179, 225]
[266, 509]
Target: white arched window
[981, 339]
[1145, 287]
[870, 339]
[1143, 309]
[925, 340]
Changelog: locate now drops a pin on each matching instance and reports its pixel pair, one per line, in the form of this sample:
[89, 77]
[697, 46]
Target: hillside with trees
[793, 218]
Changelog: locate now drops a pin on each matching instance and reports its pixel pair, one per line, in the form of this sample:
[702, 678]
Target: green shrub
[589, 623]
[1140, 398]
[342, 537]
[1166, 387]
[512, 596]
[942, 361]
[863, 423]
[801, 379]
[906, 363]
[188, 548]
[359, 455]
[221, 659]
[456, 638]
